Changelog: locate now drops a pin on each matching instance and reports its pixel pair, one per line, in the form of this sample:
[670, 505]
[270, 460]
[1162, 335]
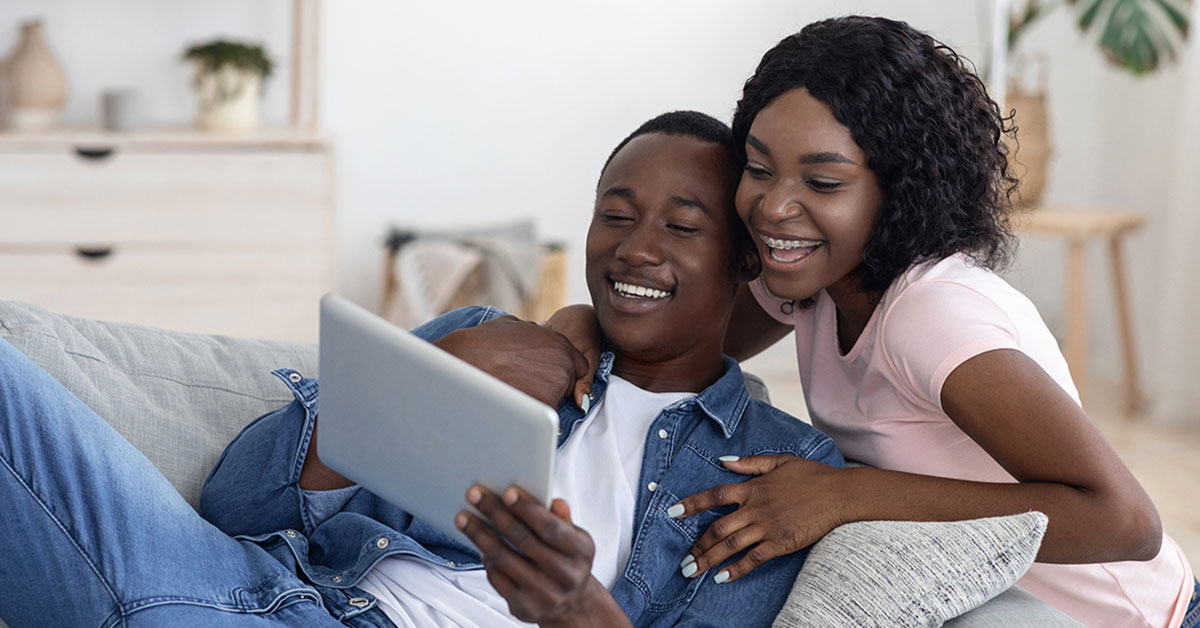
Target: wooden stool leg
[1077, 359]
[1133, 393]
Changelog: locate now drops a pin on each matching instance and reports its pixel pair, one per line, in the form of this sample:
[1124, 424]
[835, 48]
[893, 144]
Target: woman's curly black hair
[932, 137]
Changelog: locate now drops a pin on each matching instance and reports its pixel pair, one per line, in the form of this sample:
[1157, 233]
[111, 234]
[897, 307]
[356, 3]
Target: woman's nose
[780, 203]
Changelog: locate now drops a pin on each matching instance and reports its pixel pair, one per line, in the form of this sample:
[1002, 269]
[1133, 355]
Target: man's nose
[641, 246]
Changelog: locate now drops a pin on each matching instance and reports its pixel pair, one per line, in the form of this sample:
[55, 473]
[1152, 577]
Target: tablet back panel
[417, 426]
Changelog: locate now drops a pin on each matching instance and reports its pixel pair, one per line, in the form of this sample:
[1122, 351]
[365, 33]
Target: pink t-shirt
[881, 403]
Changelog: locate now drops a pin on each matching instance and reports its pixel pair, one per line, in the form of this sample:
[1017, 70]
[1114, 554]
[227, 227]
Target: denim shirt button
[291, 533]
[382, 543]
[653, 486]
[336, 579]
[295, 378]
[450, 563]
[663, 434]
[359, 602]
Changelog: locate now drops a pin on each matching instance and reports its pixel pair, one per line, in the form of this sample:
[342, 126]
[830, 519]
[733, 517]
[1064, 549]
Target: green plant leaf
[1132, 39]
[1089, 14]
[1177, 17]
[1132, 34]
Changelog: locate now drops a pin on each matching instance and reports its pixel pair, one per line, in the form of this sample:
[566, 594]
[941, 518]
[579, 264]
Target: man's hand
[538, 560]
[536, 360]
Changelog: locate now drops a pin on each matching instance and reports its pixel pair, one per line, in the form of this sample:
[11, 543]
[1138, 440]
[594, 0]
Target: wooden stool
[1077, 225]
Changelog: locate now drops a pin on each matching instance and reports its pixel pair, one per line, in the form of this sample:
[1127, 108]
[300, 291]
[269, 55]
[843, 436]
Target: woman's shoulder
[940, 288]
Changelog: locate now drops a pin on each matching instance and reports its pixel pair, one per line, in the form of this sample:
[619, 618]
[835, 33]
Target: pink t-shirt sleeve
[770, 303]
[934, 327]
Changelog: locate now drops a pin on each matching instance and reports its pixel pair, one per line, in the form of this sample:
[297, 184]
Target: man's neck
[684, 373]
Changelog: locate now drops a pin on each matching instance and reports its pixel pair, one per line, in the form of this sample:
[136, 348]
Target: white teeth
[631, 290]
[789, 244]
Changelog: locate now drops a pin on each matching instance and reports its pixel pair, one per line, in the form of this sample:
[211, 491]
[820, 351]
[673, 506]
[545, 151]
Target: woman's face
[807, 197]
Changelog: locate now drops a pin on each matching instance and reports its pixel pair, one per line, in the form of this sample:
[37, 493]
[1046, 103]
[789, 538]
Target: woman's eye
[824, 186]
[755, 171]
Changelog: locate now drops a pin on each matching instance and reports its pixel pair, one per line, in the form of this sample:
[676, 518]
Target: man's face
[663, 257]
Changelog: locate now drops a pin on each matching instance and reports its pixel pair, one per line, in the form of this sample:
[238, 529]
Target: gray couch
[180, 398]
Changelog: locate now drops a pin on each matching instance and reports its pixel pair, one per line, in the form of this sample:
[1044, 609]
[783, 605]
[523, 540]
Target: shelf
[159, 138]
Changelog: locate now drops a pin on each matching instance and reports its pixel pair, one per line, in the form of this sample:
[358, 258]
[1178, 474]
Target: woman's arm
[1019, 415]
[751, 329]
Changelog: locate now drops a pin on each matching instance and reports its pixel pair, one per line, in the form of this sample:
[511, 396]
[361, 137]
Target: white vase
[227, 99]
[35, 84]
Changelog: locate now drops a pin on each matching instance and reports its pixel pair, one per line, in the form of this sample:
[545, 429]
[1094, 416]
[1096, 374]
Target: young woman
[876, 186]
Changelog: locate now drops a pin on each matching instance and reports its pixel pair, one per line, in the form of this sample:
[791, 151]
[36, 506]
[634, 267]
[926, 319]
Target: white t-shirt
[596, 471]
[881, 403]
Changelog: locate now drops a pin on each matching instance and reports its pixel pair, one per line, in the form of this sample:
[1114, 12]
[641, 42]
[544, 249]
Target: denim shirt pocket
[662, 541]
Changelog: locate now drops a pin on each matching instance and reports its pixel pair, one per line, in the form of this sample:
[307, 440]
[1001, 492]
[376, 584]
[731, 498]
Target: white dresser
[229, 235]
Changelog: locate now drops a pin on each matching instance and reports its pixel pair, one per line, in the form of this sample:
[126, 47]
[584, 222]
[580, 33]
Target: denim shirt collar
[724, 401]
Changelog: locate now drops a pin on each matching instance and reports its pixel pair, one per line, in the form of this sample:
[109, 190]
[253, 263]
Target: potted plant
[1134, 35]
[229, 83]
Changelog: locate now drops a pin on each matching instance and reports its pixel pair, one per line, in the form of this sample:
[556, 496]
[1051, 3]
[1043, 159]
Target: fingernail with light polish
[689, 569]
[586, 403]
[687, 559]
[729, 458]
[675, 511]
[721, 577]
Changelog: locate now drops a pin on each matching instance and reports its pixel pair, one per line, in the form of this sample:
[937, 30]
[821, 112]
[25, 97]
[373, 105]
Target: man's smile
[638, 296]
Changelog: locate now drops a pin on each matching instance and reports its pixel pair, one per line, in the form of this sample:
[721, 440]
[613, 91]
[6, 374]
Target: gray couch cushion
[178, 397]
[894, 573]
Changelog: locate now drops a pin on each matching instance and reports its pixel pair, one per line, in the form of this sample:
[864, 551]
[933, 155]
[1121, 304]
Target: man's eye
[682, 228]
[615, 218]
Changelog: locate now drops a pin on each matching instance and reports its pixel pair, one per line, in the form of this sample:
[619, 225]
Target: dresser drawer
[267, 293]
[137, 197]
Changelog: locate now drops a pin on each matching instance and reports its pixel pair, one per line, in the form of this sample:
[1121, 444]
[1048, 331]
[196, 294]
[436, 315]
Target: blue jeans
[91, 534]
[1191, 619]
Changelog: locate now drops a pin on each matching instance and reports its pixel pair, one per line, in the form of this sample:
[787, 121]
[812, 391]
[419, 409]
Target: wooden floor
[1165, 460]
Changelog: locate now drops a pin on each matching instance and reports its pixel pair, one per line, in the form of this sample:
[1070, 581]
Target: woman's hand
[578, 324]
[790, 505]
[544, 571]
[531, 358]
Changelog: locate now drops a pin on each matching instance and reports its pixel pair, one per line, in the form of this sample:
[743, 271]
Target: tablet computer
[418, 426]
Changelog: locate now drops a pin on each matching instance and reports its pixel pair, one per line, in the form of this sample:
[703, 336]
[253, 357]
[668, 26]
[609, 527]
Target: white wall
[459, 112]
[480, 112]
[1116, 138]
[138, 44]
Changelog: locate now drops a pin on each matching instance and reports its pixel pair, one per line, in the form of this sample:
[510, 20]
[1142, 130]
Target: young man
[297, 546]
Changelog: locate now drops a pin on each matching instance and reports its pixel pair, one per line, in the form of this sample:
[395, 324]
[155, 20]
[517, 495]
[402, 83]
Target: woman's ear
[749, 263]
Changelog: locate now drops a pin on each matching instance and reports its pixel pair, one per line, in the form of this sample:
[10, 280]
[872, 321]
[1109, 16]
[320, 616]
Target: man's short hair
[692, 123]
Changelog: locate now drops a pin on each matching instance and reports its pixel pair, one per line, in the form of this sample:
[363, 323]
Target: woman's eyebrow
[825, 158]
[809, 158]
[758, 145]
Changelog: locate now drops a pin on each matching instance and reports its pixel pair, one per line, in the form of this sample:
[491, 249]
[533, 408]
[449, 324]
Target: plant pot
[1033, 150]
[227, 99]
[35, 84]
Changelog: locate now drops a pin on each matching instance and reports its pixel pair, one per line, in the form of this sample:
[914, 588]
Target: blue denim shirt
[332, 538]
